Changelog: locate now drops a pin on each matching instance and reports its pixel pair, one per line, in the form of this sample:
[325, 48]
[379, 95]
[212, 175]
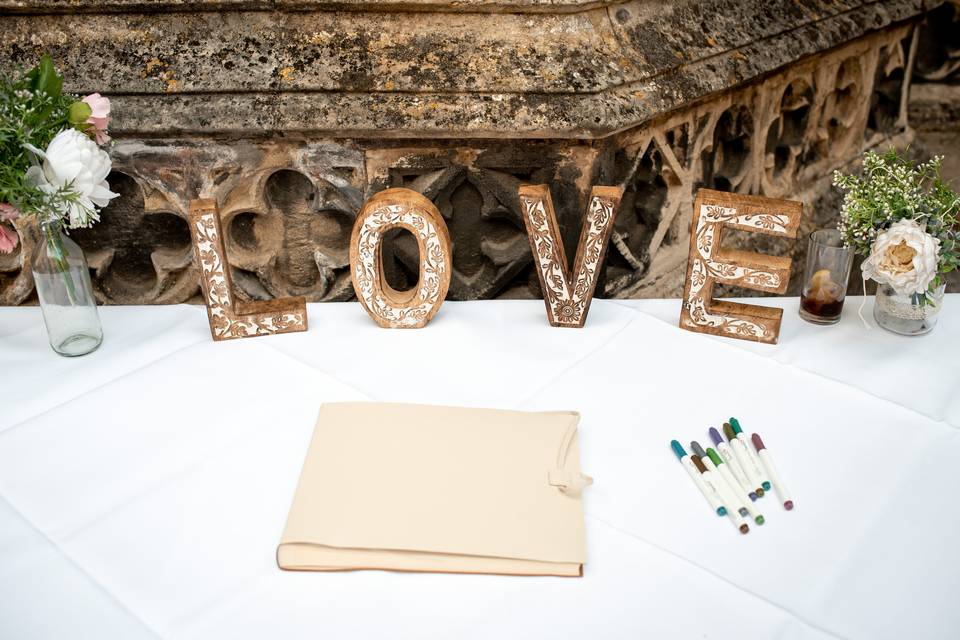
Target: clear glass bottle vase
[62, 278]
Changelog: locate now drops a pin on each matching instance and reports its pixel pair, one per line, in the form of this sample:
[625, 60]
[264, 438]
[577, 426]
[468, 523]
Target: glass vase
[62, 278]
[908, 315]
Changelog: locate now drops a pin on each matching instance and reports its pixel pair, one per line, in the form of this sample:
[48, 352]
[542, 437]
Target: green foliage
[33, 109]
[892, 188]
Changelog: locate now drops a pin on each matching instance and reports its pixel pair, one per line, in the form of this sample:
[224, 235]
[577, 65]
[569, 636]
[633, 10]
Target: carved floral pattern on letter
[408, 209]
[567, 294]
[709, 263]
[230, 318]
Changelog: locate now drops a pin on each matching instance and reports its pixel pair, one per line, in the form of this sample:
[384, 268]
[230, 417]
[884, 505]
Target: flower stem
[57, 252]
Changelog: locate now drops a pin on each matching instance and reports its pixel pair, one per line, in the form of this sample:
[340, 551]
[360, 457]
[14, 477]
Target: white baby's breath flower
[903, 256]
[74, 162]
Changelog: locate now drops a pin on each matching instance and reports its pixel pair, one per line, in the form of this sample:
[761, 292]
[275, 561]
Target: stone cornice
[374, 74]
[448, 6]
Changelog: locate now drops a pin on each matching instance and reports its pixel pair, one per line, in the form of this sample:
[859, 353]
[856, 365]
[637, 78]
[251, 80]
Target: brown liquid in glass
[820, 307]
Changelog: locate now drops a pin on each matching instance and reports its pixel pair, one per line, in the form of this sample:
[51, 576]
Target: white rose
[75, 161]
[904, 257]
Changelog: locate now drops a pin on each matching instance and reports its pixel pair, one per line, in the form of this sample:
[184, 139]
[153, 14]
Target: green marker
[727, 475]
[742, 437]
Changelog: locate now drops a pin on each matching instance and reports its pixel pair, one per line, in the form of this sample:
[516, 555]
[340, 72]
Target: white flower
[75, 162]
[904, 256]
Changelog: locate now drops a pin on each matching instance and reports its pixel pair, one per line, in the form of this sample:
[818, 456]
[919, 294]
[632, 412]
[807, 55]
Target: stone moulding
[706, 94]
[585, 74]
[447, 6]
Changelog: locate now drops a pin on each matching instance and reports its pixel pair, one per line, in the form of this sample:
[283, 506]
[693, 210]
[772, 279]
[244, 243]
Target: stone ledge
[582, 75]
[448, 6]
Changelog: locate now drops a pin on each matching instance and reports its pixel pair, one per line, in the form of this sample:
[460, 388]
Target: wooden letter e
[710, 263]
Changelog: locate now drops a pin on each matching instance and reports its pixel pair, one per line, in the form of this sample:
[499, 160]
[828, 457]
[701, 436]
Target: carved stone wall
[935, 98]
[935, 95]
[781, 138]
[766, 99]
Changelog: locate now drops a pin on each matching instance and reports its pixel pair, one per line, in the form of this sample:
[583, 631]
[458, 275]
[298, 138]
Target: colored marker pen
[694, 474]
[711, 481]
[767, 461]
[746, 462]
[727, 454]
[735, 425]
[748, 508]
[730, 497]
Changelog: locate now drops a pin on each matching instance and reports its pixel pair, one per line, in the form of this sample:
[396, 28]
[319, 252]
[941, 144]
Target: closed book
[427, 488]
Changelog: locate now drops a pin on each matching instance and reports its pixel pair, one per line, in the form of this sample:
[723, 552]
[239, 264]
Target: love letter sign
[709, 263]
[231, 318]
[568, 294]
[411, 211]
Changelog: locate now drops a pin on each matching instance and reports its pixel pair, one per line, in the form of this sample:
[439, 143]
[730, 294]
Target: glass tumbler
[825, 277]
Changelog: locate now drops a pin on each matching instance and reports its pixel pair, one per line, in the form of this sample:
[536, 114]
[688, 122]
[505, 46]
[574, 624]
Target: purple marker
[727, 454]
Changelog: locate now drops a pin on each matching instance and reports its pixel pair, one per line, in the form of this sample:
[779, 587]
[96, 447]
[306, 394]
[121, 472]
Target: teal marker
[742, 437]
[708, 493]
[745, 506]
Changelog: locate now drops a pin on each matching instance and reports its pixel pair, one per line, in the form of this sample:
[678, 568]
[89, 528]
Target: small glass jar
[825, 277]
[62, 278]
[910, 314]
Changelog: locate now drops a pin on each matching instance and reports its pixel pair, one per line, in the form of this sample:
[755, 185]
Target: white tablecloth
[143, 488]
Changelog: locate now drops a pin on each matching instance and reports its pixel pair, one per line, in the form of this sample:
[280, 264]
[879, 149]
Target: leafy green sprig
[33, 110]
[893, 188]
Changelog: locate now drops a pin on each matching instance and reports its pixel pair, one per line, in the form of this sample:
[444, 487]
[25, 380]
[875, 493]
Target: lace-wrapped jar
[908, 315]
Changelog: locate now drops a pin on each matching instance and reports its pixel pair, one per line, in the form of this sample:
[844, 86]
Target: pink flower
[8, 236]
[99, 116]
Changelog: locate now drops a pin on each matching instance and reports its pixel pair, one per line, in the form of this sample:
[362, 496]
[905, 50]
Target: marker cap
[697, 449]
[698, 463]
[728, 431]
[714, 458]
[678, 449]
[715, 436]
[735, 425]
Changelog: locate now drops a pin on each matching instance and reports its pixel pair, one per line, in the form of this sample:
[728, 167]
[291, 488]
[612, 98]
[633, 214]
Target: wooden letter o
[411, 211]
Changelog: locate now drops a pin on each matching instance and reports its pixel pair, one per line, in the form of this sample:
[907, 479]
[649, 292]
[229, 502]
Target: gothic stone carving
[288, 204]
[779, 138]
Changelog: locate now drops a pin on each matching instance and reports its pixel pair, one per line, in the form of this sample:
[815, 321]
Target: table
[143, 488]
